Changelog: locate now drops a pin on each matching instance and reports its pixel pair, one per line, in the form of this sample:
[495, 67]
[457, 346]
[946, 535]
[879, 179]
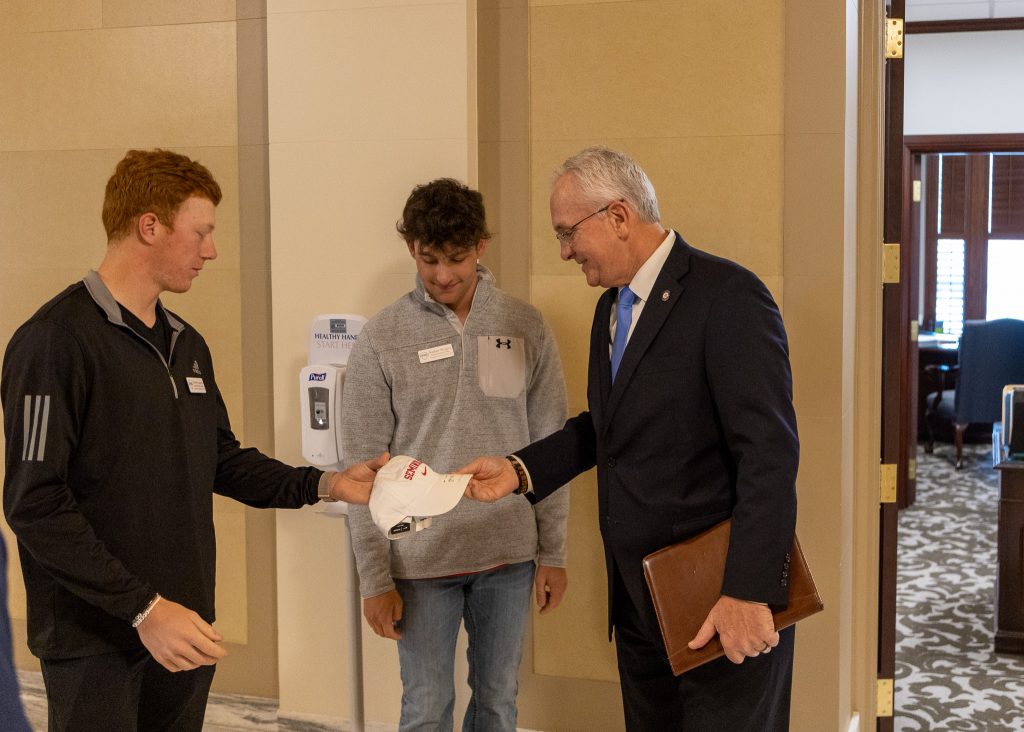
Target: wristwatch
[524, 481]
[323, 488]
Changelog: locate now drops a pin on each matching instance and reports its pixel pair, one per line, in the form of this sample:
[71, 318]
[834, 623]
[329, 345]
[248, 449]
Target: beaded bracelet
[137, 620]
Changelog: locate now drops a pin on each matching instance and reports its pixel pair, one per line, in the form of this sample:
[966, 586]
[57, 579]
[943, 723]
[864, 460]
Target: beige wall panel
[314, 641]
[381, 654]
[259, 421]
[256, 348]
[723, 194]
[503, 128]
[252, 91]
[225, 505]
[25, 290]
[232, 613]
[504, 183]
[820, 230]
[815, 61]
[35, 16]
[815, 168]
[567, 303]
[816, 680]
[50, 203]
[117, 13]
[564, 703]
[814, 319]
[504, 104]
[575, 637]
[119, 88]
[343, 215]
[361, 74]
[656, 69]
[249, 9]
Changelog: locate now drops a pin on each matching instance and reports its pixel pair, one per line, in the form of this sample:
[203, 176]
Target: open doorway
[965, 233]
[966, 237]
[960, 77]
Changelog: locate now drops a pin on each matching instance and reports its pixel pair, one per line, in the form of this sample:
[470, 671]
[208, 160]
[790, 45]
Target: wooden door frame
[895, 335]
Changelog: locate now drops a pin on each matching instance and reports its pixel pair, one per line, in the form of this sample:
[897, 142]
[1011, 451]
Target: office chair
[991, 356]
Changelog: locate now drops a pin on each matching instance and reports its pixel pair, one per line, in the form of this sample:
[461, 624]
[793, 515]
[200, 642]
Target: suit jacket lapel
[656, 311]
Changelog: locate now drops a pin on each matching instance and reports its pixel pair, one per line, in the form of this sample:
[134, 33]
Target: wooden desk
[1010, 576]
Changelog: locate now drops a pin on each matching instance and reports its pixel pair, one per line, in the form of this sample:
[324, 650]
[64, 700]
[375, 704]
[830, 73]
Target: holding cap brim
[406, 493]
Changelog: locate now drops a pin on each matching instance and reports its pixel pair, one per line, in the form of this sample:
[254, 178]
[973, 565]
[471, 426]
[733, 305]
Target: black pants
[124, 692]
[718, 696]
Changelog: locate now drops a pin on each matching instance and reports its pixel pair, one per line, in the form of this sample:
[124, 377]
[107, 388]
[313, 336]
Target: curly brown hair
[444, 213]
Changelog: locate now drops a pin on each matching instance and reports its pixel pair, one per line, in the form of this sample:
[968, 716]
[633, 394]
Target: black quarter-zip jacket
[113, 456]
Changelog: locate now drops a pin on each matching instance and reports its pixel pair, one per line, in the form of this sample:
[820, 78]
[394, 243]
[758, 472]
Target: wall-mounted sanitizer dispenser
[331, 338]
[320, 387]
[320, 391]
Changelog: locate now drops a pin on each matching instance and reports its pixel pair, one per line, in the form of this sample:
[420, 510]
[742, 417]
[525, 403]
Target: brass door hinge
[914, 330]
[890, 263]
[894, 37]
[916, 192]
[912, 470]
[887, 483]
[884, 705]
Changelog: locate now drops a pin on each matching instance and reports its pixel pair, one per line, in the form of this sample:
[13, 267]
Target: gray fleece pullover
[500, 388]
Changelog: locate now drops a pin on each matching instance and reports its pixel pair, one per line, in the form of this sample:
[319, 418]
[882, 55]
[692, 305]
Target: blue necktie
[623, 318]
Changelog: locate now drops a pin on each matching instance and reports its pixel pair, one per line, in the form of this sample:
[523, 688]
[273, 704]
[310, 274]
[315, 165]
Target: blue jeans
[495, 605]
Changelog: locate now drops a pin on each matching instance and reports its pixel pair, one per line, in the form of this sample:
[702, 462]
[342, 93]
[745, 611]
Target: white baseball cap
[406, 493]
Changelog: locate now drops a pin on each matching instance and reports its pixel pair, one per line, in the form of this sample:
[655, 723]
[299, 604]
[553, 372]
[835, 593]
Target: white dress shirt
[642, 284]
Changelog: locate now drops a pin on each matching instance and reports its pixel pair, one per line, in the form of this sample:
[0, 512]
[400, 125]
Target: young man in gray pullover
[454, 369]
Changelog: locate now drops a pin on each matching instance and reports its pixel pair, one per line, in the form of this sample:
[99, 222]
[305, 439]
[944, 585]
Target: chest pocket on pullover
[501, 365]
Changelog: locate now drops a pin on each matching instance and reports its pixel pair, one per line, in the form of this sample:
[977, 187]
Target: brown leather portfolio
[685, 581]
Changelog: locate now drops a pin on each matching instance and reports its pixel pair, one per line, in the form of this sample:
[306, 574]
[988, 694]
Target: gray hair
[605, 175]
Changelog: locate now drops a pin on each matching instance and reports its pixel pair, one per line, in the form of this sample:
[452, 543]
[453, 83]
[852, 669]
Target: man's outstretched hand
[493, 478]
[354, 484]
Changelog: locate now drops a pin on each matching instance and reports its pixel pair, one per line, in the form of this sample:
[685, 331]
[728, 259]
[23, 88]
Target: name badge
[436, 353]
[195, 385]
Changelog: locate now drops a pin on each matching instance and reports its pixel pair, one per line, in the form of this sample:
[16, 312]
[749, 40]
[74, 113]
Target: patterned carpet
[947, 675]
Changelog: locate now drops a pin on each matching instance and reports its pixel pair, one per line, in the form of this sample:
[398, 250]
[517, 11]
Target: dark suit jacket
[698, 426]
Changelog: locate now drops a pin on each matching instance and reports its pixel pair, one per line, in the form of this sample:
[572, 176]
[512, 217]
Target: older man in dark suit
[690, 422]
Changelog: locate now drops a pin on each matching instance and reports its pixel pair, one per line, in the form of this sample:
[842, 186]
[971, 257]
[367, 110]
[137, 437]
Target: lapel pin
[664, 296]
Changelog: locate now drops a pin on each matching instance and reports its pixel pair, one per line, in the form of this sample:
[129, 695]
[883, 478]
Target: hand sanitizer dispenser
[320, 391]
[320, 387]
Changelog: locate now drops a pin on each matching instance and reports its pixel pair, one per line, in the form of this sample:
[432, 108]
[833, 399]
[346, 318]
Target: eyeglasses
[566, 235]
